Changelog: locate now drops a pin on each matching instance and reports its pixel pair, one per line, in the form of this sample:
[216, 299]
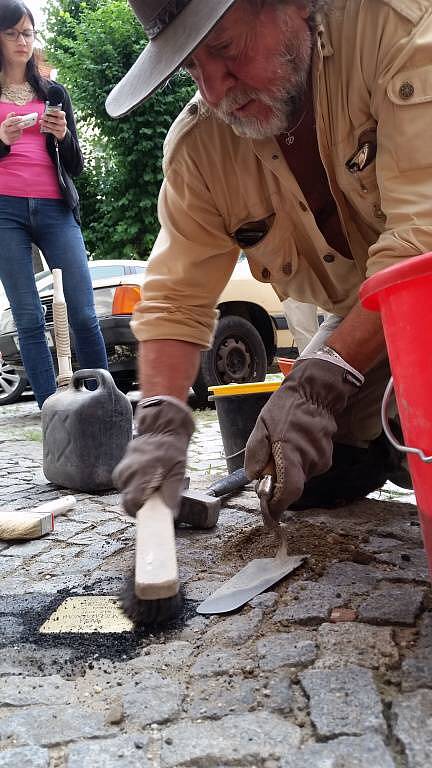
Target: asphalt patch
[70, 654]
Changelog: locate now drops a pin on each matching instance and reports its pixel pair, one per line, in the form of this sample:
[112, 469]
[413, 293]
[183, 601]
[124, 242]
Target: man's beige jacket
[372, 77]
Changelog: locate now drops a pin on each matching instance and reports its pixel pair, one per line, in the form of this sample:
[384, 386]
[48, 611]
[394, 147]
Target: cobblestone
[46, 726]
[392, 605]
[264, 601]
[25, 757]
[279, 692]
[120, 752]
[22, 692]
[310, 603]
[413, 726]
[411, 564]
[345, 752]
[151, 698]
[347, 644]
[343, 701]
[26, 549]
[286, 649]
[277, 684]
[221, 696]
[417, 668]
[359, 577]
[156, 657]
[253, 736]
[219, 661]
[236, 630]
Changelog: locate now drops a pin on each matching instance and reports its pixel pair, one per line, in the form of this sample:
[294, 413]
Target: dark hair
[11, 12]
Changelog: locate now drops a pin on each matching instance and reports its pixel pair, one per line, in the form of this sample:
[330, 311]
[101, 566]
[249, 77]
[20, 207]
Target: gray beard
[285, 101]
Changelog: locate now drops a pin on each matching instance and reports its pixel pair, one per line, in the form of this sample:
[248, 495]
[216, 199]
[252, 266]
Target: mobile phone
[50, 108]
[26, 121]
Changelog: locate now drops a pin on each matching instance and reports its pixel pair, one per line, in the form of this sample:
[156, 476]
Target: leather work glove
[156, 459]
[297, 424]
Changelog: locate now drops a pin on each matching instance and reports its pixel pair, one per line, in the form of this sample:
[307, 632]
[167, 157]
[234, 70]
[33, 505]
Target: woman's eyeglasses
[14, 35]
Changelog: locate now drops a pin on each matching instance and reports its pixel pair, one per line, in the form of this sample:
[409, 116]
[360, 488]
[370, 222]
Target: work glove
[296, 426]
[156, 459]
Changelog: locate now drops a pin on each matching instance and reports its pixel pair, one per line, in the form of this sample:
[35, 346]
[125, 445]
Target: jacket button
[193, 109]
[265, 274]
[378, 212]
[287, 268]
[406, 90]
[329, 258]
[303, 206]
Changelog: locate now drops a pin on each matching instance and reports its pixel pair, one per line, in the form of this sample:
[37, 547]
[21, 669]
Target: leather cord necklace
[288, 136]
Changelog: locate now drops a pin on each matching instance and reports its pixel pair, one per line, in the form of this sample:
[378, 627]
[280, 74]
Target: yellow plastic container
[237, 408]
[252, 388]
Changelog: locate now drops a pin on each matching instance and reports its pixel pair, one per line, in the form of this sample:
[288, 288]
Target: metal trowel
[258, 575]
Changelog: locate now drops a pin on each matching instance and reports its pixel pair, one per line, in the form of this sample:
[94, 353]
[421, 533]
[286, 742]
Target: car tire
[238, 355]
[12, 384]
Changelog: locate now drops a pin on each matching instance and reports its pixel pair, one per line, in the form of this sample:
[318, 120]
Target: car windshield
[102, 271]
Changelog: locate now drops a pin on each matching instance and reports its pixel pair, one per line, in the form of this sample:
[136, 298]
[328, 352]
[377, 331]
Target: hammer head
[199, 509]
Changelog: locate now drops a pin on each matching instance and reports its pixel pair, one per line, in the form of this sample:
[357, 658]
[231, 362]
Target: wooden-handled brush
[35, 522]
[153, 597]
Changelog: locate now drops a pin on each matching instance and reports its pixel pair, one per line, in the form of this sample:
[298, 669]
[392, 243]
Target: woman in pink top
[39, 204]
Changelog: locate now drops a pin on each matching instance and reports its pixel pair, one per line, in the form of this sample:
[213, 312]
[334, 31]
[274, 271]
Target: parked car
[106, 276]
[12, 383]
[251, 328]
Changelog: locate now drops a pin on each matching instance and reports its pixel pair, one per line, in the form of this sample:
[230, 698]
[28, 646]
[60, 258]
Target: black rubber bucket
[237, 408]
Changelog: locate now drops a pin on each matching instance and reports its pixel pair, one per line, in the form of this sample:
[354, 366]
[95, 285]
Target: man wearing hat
[305, 147]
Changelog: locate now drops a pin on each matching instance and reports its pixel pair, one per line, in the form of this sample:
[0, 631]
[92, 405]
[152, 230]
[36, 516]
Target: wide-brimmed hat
[174, 29]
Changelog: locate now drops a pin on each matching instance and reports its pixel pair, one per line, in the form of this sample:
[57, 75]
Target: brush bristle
[150, 612]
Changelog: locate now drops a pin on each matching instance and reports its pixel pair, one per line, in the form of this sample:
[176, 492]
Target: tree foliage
[93, 44]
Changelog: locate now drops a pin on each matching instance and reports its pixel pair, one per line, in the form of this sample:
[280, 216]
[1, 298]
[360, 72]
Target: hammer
[200, 509]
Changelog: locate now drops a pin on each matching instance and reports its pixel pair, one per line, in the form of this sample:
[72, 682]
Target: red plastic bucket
[403, 295]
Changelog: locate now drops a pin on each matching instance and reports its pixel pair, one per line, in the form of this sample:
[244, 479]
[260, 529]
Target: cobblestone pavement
[331, 669]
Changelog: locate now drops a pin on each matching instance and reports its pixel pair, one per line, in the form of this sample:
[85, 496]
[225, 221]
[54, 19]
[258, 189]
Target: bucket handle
[387, 429]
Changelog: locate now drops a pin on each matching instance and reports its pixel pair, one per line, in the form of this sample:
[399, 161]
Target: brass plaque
[87, 614]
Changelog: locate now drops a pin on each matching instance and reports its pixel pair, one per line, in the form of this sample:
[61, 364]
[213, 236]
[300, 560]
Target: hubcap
[9, 380]
[233, 361]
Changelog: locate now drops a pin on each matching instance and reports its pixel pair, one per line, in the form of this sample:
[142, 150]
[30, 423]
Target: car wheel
[238, 355]
[12, 385]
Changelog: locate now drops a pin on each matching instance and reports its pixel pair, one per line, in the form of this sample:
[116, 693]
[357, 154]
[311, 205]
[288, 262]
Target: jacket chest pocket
[356, 176]
[410, 94]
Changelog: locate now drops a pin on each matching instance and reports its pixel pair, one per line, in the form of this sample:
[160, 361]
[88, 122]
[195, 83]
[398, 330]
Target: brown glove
[297, 424]
[156, 460]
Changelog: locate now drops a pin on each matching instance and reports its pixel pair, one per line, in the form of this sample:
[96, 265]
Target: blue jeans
[51, 225]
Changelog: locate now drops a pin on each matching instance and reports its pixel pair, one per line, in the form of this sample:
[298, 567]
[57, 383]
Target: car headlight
[103, 299]
[7, 323]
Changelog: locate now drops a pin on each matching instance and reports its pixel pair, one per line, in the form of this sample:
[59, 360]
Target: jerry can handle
[387, 429]
[103, 377]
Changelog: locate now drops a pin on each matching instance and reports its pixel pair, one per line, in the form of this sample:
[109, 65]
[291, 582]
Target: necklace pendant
[289, 140]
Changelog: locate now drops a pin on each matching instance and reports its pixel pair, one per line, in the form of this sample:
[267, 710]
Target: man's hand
[297, 424]
[156, 460]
